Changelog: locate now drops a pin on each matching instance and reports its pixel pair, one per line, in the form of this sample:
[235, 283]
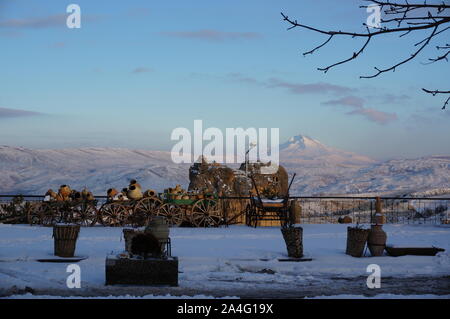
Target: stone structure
[225, 181]
[150, 271]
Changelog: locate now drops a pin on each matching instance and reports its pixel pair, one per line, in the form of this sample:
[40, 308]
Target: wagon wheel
[48, 214]
[173, 213]
[84, 214]
[206, 213]
[144, 210]
[113, 214]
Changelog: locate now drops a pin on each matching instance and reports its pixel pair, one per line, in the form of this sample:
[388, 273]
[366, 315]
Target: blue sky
[138, 69]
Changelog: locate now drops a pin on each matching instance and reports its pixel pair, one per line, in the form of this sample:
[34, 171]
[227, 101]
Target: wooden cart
[198, 212]
[129, 212]
[271, 209]
[80, 212]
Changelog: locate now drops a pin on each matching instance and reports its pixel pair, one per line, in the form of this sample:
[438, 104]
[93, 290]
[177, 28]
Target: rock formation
[225, 181]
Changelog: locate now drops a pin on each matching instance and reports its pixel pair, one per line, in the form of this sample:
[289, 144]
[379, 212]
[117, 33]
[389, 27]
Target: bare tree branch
[397, 13]
[392, 68]
[435, 92]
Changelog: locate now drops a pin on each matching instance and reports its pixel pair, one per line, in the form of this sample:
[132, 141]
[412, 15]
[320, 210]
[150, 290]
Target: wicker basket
[356, 241]
[65, 239]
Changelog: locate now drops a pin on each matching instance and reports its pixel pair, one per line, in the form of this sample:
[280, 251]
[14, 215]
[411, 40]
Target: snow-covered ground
[234, 261]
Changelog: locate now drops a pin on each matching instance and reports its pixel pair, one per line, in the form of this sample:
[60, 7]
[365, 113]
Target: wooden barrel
[65, 239]
[356, 241]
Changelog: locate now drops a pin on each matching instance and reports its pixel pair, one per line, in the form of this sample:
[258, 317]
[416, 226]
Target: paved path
[319, 287]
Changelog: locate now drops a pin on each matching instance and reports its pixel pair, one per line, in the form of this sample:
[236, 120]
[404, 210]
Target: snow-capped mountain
[320, 170]
[306, 151]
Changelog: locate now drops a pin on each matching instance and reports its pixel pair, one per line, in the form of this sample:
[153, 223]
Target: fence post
[379, 217]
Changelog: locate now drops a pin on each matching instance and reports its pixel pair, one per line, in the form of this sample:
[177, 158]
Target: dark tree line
[396, 17]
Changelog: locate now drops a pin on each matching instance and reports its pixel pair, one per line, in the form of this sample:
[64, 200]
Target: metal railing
[328, 209]
[397, 210]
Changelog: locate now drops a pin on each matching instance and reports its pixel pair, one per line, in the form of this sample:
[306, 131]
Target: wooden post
[379, 218]
[378, 205]
[293, 237]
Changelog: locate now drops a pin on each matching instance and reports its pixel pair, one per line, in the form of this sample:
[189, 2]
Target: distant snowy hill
[427, 176]
[320, 170]
[34, 171]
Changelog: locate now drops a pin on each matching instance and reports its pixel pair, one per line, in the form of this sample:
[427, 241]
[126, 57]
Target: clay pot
[133, 182]
[76, 195]
[377, 240]
[52, 194]
[345, 220]
[87, 195]
[150, 193]
[134, 193]
[65, 191]
[112, 192]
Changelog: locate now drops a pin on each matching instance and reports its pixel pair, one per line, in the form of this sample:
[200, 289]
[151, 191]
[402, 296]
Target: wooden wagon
[199, 210]
[268, 209]
[80, 212]
[128, 212]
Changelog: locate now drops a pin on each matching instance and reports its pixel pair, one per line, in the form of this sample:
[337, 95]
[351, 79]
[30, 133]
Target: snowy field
[232, 262]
